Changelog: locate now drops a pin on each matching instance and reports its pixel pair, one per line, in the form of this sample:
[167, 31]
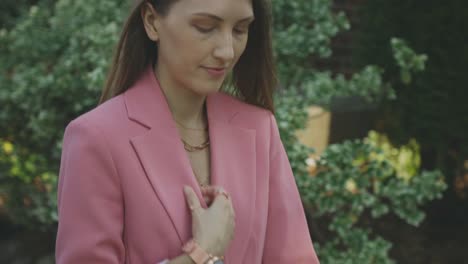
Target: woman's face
[199, 42]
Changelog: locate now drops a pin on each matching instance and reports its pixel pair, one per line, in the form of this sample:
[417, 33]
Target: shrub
[54, 62]
[354, 181]
[27, 186]
[433, 109]
[357, 181]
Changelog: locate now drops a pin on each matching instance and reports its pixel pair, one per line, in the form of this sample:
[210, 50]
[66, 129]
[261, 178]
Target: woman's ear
[150, 20]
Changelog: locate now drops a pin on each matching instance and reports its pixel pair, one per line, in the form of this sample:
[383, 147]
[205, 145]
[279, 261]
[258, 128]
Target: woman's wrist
[200, 253]
[214, 249]
[182, 259]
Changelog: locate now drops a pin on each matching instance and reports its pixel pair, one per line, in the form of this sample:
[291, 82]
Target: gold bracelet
[215, 259]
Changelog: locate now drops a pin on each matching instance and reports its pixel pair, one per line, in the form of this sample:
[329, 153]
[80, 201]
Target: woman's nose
[225, 48]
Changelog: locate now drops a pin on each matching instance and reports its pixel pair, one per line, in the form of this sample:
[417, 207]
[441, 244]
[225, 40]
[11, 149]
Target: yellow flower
[311, 166]
[7, 147]
[351, 186]
[45, 176]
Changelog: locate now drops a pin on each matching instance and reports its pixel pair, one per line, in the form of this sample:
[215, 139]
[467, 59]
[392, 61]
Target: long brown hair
[254, 75]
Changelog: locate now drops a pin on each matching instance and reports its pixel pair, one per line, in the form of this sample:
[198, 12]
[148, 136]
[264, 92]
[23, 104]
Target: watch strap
[195, 252]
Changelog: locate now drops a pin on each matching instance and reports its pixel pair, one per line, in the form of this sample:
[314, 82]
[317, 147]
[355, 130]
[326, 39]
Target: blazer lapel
[167, 171]
[168, 168]
[161, 152]
[233, 167]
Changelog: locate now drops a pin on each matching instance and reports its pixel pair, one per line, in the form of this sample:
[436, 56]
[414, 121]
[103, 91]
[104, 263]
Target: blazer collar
[167, 166]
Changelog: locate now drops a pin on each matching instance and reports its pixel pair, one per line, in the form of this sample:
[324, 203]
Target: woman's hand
[209, 193]
[212, 228]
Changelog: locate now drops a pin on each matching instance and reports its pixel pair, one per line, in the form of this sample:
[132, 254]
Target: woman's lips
[215, 72]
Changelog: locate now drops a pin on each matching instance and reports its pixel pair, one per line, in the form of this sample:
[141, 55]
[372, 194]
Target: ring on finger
[222, 192]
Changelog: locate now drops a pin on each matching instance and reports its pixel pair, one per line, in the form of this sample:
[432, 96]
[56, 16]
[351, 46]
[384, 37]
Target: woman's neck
[187, 107]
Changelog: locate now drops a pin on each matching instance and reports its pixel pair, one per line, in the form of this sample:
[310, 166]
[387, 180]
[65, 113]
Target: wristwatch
[200, 256]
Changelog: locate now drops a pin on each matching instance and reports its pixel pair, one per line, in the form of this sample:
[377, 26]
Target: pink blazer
[123, 168]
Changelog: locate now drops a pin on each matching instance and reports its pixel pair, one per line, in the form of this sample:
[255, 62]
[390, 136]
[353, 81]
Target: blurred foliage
[434, 108]
[54, 61]
[405, 160]
[27, 186]
[302, 29]
[10, 10]
[354, 181]
[460, 181]
[302, 33]
[407, 59]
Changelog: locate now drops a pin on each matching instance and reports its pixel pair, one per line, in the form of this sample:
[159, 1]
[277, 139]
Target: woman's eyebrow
[246, 19]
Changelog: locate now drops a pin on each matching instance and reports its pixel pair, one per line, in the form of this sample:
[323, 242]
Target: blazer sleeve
[90, 203]
[287, 234]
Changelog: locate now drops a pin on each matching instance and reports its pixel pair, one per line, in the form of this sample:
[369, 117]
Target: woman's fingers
[208, 193]
[208, 190]
[192, 199]
[211, 193]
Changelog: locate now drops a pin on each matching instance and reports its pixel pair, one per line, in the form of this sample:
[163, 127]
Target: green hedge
[434, 108]
[53, 66]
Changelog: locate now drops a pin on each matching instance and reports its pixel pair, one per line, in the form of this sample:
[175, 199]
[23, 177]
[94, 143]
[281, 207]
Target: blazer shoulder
[261, 120]
[243, 109]
[105, 116]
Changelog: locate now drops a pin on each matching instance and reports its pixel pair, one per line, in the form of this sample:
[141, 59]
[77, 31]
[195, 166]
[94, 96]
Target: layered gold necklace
[194, 148]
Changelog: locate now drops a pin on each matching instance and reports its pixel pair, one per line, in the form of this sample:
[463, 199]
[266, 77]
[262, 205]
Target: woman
[168, 169]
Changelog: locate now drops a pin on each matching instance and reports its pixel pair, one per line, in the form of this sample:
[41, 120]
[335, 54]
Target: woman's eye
[204, 29]
[241, 31]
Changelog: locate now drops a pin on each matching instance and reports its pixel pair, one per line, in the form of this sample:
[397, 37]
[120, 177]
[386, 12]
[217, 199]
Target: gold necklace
[191, 148]
[202, 184]
[191, 128]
